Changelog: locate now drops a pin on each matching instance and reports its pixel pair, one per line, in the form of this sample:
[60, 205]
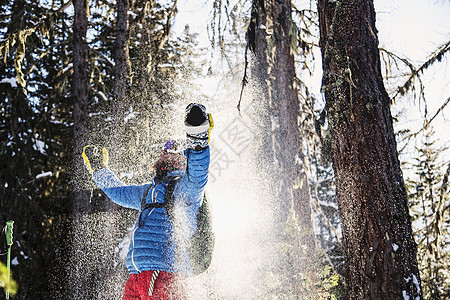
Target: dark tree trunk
[80, 269]
[379, 248]
[121, 71]
[108, 261]
[285, 105]
[80, 86]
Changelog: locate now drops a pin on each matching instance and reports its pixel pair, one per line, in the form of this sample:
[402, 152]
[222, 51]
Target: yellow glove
[94, 158]
[198, 126]
[211, 126]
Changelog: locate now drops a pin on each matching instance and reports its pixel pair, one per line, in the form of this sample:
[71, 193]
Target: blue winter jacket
[159, 244]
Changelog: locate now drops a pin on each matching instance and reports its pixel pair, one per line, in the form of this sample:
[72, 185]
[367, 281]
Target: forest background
[169, 65]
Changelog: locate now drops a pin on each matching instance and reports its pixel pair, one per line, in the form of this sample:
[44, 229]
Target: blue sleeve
[129, 196]
[191, 186]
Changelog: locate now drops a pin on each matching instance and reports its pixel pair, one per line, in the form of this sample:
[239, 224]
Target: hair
[168, 162]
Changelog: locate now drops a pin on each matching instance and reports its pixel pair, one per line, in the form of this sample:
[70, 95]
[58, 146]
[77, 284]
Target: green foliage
[8, 284]
[429, 199]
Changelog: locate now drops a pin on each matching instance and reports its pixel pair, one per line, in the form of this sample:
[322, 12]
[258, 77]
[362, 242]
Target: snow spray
[247, 253]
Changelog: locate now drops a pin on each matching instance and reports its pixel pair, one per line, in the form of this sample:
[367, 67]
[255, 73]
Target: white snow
[416, 282]
[45, 174]
[395, 247]
[128, 175]
[23, 254]
[130, 115]
[102, 95]
[39, 146]
[15, 261]
[328, 204]
[132, 15]
[11, 81]
[166, 66]
[68, 67]
[405, 295]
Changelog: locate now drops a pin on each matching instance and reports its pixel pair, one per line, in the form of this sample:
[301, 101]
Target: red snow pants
[167, 286]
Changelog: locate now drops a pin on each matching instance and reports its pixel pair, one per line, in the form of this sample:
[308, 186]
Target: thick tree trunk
[379, 248]
[286, 105]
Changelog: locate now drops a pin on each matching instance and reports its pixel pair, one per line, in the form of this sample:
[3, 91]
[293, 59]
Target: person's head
[170, 159]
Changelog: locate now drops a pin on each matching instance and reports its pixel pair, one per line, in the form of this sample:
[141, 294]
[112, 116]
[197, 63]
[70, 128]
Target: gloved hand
[198, 126]
[95, 158]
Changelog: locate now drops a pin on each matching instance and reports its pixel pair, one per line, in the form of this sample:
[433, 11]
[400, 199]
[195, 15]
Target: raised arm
[198, 125]
[96, 161]
[191, 186]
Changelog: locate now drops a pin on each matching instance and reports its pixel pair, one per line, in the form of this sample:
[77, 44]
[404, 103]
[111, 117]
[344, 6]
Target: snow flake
[45, 174]
[405, 295]
[416, 282]
[15, 261]
[395, 247]
[11, 81]
[128, 175]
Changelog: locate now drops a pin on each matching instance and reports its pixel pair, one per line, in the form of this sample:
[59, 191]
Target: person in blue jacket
[157, 258]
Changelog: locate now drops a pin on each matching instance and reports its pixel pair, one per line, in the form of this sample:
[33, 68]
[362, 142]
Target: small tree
[429, 205]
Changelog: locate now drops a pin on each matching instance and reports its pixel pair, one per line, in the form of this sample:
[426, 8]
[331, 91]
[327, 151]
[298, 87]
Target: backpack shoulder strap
[145, 197]
[169, 200]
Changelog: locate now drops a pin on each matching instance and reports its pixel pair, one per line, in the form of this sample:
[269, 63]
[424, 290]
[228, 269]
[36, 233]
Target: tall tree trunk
[275, 71]
[121, 71]
[110, 274]
[270, 38]
[80, 269]
[379, 248]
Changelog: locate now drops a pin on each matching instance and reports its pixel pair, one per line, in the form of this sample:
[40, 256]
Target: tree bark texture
[80, 87]
[379, 247]
[110, 224]
[121, 71]
[80, 271]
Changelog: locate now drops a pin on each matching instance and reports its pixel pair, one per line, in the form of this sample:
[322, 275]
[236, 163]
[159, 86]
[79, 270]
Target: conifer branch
[244, 80]
[435, 56]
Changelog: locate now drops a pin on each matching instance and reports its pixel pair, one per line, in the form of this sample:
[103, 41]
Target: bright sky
[413, 29]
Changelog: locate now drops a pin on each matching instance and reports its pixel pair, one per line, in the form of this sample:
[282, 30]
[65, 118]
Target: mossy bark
[379, 247]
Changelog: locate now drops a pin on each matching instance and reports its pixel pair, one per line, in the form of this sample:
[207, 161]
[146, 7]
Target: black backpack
[201, 244]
